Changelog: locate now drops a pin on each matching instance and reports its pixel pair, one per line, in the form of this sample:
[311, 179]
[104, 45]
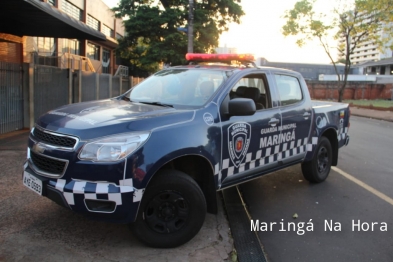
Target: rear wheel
[318, 169]
[172, 210]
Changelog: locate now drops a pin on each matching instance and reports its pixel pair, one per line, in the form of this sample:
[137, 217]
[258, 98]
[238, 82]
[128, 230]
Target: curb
[372, 117]
[247, 243]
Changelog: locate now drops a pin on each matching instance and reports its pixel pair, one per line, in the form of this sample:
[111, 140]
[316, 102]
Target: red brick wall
[354, 90]
[10, 48]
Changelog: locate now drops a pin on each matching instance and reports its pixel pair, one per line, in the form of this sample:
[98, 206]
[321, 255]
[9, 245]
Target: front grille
[56, 140]
[47, 165]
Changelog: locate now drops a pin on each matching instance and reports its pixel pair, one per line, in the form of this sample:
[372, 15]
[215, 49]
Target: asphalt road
[337, 202]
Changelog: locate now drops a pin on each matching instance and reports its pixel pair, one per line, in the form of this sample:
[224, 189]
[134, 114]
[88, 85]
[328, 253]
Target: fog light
[102, 206]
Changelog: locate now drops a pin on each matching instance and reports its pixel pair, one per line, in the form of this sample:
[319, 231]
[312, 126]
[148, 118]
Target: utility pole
[190, 30]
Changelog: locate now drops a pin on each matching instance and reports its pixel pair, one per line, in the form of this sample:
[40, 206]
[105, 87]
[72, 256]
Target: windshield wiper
[156, 103]
[126, 98]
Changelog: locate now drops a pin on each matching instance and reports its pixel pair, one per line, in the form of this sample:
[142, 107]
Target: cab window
[254, 87]
[289, 89]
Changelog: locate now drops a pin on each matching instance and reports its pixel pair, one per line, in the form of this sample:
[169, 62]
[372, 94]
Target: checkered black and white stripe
[342, 134]
[265, 156]
[95, 191]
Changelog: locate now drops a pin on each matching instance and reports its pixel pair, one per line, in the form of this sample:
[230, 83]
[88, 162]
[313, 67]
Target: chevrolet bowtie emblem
[38, 148]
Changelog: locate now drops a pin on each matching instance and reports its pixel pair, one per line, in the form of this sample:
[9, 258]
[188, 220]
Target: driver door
[250, 143]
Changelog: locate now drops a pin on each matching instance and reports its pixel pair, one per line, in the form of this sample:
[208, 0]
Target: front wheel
[318, 169]
[172, 210]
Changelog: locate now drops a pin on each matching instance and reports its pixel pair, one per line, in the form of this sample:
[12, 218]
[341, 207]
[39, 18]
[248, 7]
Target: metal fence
[11, 97]
[92, 86]
[50, 89]
[104, 86]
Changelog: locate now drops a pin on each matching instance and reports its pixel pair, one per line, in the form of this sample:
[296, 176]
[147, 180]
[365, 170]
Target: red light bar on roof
[219, 57]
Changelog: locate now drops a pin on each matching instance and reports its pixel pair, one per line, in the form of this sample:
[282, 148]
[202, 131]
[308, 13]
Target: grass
[374, 103]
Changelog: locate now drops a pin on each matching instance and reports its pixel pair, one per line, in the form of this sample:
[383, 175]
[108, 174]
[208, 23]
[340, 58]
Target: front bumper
[102, 200]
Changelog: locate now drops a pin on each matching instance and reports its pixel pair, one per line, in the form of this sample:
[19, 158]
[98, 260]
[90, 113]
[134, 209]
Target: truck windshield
[183, 87]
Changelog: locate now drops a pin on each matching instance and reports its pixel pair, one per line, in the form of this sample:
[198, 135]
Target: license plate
[32, 182]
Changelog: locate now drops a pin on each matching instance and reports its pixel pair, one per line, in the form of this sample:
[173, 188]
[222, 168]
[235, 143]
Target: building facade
[54, 50]
[368, 50]
[53, 53]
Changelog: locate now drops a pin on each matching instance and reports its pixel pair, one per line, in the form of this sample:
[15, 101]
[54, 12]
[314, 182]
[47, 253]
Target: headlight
[113, 148]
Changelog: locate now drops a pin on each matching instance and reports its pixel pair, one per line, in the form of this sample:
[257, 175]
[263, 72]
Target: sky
[260, 33]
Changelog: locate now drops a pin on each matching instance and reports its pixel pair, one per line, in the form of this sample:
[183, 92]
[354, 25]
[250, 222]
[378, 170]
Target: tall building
[367, 51]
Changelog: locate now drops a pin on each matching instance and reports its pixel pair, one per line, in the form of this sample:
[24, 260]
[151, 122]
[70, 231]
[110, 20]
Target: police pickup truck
[155, 156]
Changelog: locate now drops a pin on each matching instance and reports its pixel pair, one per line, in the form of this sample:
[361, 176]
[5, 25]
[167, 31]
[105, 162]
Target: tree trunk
[341, 93]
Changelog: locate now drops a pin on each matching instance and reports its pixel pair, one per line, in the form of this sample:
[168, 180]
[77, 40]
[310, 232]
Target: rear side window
[289, 89]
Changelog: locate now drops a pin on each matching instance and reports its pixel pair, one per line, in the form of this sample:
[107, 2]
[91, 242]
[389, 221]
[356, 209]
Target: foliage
[151, 29]
[351, 25]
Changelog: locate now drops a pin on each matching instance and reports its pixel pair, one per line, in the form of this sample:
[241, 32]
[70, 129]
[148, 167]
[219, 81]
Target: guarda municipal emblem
[239, 136]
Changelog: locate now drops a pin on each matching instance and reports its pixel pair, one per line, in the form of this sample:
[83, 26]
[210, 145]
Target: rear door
[296, 112]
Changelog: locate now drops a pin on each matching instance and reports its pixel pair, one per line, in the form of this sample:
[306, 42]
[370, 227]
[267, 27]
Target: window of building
[107, 31]
[93, 51]
[45, 46]
[72, 10]
[289, 89]
[52, 2]
[71, 46]
[106, 61]
[93, 23]
[118, 36]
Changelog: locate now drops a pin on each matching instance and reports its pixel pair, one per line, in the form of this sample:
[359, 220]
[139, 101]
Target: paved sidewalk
[371, 113]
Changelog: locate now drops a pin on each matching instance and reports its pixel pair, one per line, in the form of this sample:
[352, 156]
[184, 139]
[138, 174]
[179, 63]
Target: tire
[172, 210]
[318, 169]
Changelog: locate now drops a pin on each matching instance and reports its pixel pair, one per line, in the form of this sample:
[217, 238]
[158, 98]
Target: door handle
[273, 122]
[306, 115]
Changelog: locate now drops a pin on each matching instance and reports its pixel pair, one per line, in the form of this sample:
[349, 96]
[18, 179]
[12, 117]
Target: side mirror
[241, 107]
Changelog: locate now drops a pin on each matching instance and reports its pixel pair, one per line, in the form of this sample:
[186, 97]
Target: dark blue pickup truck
[155, 156]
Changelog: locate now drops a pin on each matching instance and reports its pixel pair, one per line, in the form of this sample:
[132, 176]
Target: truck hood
[94, 119]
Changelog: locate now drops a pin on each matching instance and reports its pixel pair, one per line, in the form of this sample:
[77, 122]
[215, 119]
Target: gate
[11, 97]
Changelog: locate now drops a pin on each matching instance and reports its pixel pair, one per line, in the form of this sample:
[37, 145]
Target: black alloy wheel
[172, 210]
[167, 212]
[318, 169]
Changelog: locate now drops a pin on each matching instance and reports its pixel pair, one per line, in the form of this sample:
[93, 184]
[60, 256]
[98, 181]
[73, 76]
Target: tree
[351, 24]
[151, 29]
